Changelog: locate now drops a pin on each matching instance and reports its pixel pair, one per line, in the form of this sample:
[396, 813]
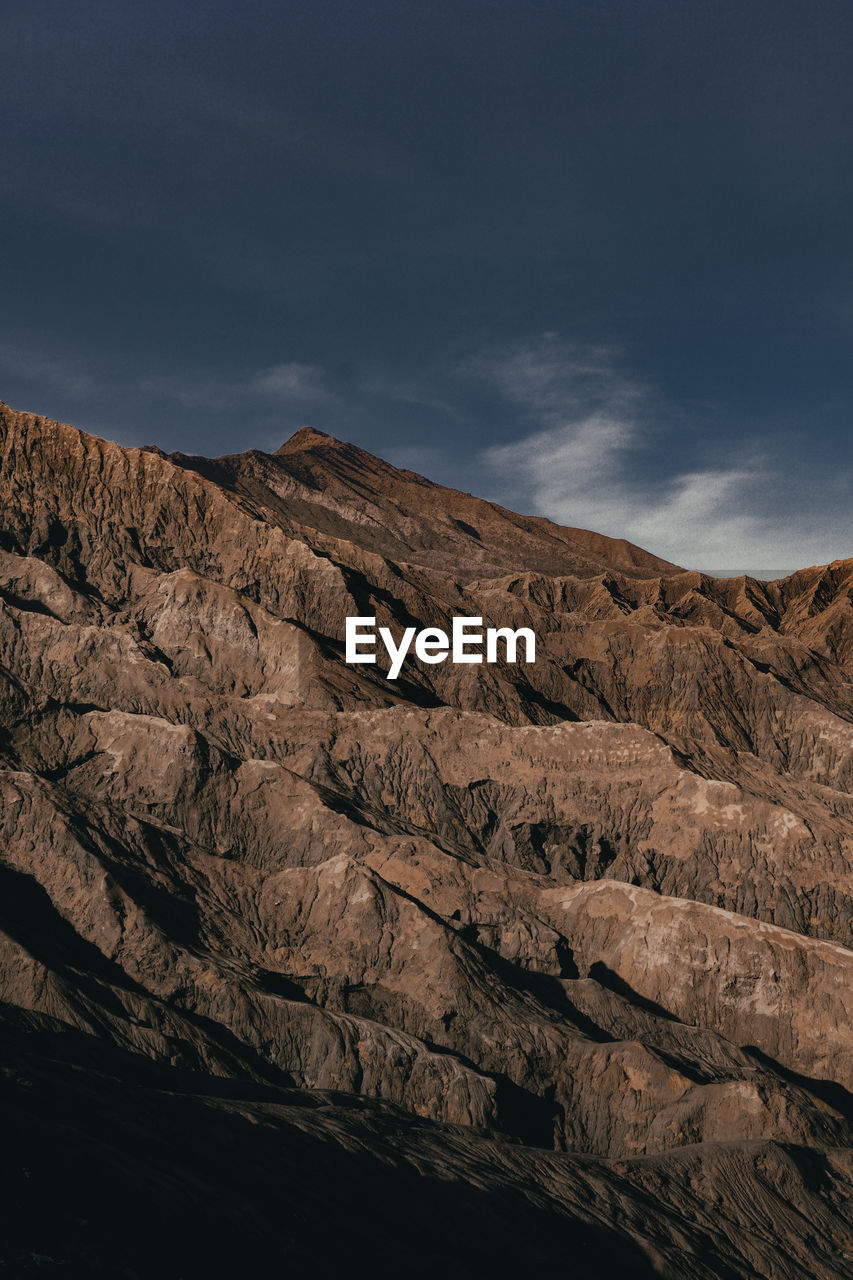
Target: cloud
[599, 460]
[579, 474]
[290, 382]
[287, 385]
[550, 379]
[31, 366]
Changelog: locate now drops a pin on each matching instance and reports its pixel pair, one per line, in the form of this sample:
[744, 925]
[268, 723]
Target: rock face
[554, 956]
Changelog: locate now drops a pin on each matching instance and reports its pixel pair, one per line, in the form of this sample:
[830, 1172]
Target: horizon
[591, 259]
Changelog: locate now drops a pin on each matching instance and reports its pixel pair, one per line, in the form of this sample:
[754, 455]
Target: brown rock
[573, 936]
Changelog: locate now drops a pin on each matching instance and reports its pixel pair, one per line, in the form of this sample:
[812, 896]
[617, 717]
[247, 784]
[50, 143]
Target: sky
[589, 258]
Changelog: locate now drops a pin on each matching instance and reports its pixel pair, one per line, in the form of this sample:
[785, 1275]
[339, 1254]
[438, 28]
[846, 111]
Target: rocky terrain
[487, 967]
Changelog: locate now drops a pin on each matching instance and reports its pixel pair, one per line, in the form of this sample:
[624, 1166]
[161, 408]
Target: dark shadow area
[524, 1116]
[545, 989]
[558, 710]
[400, 690]
[606, 977]
[25, 604]
[278, 984]
[834, 1095]
[467, 528]
[109, 1171]
[28, 916]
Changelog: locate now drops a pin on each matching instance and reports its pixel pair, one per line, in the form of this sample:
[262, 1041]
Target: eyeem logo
[433, 645]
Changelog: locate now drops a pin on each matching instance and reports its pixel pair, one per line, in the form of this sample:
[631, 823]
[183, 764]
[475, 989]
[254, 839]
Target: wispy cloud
[286, 385]
[290, 382]
[550, 379]
[595, 458]
[20, 362]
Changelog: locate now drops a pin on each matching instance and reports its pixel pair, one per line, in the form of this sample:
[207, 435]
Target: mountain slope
[328, 489]
[576, 933]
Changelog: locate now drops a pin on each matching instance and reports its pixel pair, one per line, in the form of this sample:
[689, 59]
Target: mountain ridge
[576, 934]
[310, 459]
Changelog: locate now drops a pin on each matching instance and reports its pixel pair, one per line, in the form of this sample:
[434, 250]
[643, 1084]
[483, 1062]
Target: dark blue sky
[593, 259]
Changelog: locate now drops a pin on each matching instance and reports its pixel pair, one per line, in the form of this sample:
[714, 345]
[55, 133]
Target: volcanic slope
[554, 955]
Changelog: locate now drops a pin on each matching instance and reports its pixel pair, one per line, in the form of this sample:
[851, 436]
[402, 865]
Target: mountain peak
[306, 438]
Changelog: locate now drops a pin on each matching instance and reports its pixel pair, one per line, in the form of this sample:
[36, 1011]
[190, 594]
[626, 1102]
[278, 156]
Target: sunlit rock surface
[554, 956]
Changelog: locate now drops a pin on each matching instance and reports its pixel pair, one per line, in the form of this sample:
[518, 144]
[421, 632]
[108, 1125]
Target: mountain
[485, 966]
[329, 492]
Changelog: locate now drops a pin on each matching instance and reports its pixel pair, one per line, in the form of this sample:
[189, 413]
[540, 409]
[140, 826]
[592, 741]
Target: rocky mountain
[486, 967]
